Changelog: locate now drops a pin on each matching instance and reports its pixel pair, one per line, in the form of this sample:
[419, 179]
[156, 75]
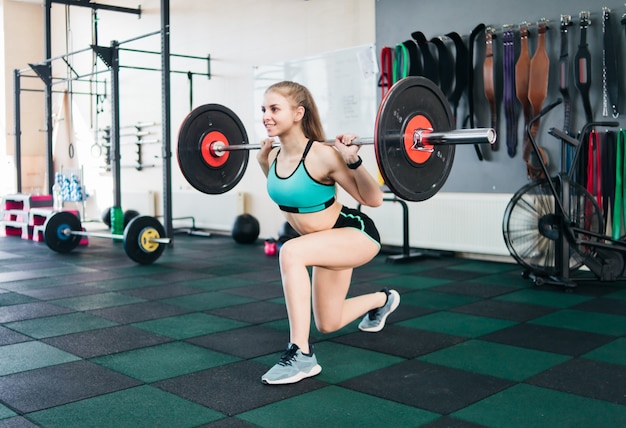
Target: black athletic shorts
[349, 217]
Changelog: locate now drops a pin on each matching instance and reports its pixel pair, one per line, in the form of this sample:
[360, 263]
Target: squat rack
[110, 56]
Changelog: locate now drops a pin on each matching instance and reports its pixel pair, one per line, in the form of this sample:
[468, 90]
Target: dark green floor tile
[502, 361]
[457, 324]
[96, 301]
[525, 406]
[342, 408]
[546, 298]
[433, 300]
[485, 267]
[9, 298]
[163, 361]
[40, 328]
[614, 352]
[5, 412]
[586, 321]
[138, 312]
[24, 356]
[206, 301]
[139, 407]
[509, 280]
[621, 294]
[190, 325]
[341, 362]
[9, 337]
[411, 282]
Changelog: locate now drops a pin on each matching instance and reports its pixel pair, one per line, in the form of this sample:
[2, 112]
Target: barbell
[142, 236]
[414, 142]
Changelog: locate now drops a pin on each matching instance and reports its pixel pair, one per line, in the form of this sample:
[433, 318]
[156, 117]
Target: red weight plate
[208, 154]
[422, 125]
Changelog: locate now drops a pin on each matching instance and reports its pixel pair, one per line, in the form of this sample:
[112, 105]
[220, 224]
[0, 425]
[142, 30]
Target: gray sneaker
[292, 367]
[374, 320]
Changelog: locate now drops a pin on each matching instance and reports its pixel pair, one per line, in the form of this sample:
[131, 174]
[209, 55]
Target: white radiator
[214, 212]
[142, 202]
[460, 222]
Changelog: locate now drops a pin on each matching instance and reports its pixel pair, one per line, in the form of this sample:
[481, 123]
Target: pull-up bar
[96, 6]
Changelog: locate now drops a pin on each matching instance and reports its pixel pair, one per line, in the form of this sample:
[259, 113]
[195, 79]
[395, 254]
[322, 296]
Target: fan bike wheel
[532, 228]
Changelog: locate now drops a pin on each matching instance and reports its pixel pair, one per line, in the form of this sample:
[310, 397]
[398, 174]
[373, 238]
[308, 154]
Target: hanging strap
[401, 69]
[489, 79]
[522, 73]
[594, 182]
[538, 76]
[620, 179]
[510, 105]
[428, 61]
[386, 70]
[582, 66]
[460, 70]
[610, 79]
[607, 149]
[445, 65]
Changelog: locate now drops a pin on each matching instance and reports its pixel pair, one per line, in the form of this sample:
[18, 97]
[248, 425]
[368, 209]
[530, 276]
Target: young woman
[302, 175]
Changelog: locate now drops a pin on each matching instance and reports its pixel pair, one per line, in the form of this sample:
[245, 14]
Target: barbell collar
[421, 138]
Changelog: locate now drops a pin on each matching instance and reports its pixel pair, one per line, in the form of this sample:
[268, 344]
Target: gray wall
[499, 173]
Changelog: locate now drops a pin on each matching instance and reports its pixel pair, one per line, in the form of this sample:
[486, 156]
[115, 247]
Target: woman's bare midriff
[314, 222]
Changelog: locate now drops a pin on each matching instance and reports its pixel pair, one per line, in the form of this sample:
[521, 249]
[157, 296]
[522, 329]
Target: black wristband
[356, 164]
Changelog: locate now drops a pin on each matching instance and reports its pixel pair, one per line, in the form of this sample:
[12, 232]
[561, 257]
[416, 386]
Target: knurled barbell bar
[142, 236]
[414, 142]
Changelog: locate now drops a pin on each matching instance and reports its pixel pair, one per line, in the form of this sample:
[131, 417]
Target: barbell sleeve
[455, 136]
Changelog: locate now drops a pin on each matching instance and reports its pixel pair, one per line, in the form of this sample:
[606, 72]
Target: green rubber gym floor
[91, 339]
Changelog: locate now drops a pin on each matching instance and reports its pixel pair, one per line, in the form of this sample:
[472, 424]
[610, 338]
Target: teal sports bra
[299, 193]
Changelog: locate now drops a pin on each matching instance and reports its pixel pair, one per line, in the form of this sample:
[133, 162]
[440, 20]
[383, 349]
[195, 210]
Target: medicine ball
[246, 229]
[129, 215]
[106, 217]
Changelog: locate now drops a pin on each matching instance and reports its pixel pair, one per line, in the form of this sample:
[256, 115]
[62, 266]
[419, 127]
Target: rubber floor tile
[6, 413]
[105, 341]
[477, 289]
[401, 341]
[140, 407]
[427, 386]
[58, 325]
[246, 342]
[526, 406]
[61, 384]
[450, 422]
[234, 388]
[549, 339]
[485, 268]
[588, 378]
[62, 292]
[492, 359]
[163, 361]
[29, 311]
[433, 300]
[341, 362]
[586, 321]
[25, 356]
[97, 301]
[613, 352]
[189, 325]
[261, 291]
[8, 298]
[138, 312]
[511, 311]
[457, 324]
[337, 407]
[8, 337]
[207, 300]
[603, 305]
[130, 282]
[253, 313]
[545, 298]
[181, 276]
[507, 279]
[451, 274]
[218, 283]
[162, 291]
[411, 282]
